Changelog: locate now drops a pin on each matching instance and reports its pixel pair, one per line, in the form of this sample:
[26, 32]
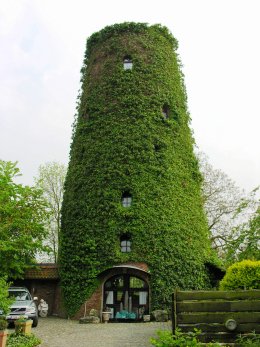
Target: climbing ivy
[122, 142]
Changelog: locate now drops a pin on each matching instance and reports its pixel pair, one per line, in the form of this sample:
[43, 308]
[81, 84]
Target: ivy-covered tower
[132, 192]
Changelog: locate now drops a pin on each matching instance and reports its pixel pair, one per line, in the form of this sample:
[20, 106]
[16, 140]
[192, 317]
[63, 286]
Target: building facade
[132, 192]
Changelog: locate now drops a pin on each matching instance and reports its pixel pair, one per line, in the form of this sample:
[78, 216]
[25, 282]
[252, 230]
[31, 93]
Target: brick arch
[139, 270]
[130, 299]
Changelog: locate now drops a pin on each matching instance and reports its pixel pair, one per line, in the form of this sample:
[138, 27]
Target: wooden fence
[220, 315]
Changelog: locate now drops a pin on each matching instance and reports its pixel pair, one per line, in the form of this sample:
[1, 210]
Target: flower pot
[3, 337]
[105, 316]
[24, 327]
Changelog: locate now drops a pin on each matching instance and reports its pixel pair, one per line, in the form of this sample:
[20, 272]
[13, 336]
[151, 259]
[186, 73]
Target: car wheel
[35, 322]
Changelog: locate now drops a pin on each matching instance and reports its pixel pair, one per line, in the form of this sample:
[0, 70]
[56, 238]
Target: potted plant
[23, 325]
[3, 332]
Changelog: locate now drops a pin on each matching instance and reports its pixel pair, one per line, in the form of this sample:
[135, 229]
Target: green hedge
[122, 143]
[242, 275]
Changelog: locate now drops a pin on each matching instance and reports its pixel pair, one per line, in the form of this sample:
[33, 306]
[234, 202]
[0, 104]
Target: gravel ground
[56, 332]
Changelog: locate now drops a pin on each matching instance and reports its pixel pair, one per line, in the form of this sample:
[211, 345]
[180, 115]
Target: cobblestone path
[56, 332]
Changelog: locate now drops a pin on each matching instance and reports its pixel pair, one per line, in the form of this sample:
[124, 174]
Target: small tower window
[128, 64]
[127, 200]
[125, 243]
[85, 116]
[166, 111]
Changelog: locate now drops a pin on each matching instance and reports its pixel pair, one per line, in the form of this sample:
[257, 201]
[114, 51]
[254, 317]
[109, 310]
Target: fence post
[174, 312]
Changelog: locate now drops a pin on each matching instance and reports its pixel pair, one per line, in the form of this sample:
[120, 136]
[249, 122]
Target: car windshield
[20, 295]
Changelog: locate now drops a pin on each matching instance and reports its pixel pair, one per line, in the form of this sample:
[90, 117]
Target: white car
[24, 305]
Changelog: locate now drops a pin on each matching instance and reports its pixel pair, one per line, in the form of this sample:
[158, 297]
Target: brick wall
[95, 301]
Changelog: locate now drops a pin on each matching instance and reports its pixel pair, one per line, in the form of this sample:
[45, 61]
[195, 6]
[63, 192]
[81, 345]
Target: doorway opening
[126, 297]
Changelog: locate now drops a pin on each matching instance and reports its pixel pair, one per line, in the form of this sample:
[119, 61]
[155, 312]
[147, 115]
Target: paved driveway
[56, 332]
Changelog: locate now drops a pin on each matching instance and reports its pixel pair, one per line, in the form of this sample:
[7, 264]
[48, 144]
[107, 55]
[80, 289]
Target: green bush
[3, 324]
[249, 340]
[242, 275]
[179, 339]
[19, 340]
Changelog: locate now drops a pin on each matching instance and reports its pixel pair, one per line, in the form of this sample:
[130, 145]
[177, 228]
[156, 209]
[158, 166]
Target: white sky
[42, 44]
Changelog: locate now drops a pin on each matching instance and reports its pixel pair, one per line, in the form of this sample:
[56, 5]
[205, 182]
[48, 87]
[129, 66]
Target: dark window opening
[125, 243]
[166, 111]
[157, 147]
[85, 116]
[115, 283]
[128, 64]
[126, 200]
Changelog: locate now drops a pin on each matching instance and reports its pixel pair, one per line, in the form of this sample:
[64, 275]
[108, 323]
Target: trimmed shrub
[242, 275]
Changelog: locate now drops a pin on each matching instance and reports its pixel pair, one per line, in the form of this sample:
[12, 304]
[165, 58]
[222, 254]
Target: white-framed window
[125, 243]
[126, 200]
[128, 64]
[125, 246]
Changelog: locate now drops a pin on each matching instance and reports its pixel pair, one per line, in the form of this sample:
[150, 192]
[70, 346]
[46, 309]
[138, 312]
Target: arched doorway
[126, 297]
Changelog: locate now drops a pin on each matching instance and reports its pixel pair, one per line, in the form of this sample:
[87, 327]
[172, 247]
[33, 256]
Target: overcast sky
[42, 45]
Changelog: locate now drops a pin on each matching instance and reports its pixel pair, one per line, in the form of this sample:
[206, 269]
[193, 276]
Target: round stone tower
[133, 226]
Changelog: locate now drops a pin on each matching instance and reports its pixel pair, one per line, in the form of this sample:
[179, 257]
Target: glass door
[126, 297]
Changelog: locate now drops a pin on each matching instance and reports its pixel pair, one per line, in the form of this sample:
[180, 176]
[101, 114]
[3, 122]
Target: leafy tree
[244, 241]
[5, 301]
[22, 217]
[50, 179]
[228, 211]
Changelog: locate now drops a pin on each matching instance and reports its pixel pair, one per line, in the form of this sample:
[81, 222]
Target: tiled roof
[50, 271]
[43, 271]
